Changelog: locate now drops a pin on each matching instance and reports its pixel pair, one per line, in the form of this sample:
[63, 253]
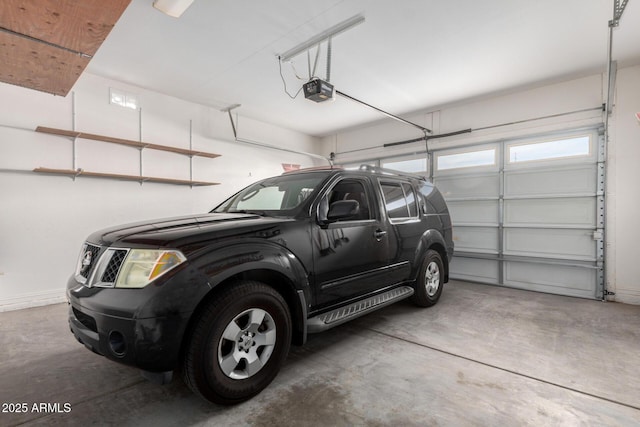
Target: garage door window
[466, 160]
[418, 165]
[549, 150]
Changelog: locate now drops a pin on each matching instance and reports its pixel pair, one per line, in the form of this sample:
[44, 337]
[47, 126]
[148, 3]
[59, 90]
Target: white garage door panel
[554, 243]
[556, 279]
[475, 270]
[534, 219]
[571, 212]
[484, 212]
[580, 180]
[476, 186]
[476, 239]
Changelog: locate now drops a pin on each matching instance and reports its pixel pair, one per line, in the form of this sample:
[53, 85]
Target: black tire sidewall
[420, 296]
[211, 382]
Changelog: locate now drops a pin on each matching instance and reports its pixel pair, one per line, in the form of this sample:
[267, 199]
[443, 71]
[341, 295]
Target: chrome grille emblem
[86, 259]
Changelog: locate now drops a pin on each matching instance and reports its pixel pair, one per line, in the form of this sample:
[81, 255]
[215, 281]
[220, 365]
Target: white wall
[44, 219]
[553, 99]
[624, 196]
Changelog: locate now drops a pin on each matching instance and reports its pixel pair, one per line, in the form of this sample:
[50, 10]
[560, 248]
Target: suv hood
[178, 232]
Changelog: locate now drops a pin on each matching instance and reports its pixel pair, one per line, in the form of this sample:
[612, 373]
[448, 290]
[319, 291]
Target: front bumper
[138, 327]
[149, 344]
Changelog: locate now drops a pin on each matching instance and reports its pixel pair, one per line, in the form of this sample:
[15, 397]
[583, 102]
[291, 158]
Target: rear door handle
[379, 234]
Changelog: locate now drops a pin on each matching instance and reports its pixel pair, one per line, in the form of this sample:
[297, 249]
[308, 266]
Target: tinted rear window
[400, 200]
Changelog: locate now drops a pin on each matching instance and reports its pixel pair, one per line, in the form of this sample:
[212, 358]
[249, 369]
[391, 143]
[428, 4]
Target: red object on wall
[290, 167]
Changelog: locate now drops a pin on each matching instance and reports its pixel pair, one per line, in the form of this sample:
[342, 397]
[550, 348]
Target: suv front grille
[111, 272]
[99, 266]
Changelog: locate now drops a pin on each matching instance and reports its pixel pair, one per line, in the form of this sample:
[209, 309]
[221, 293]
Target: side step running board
[324, 321]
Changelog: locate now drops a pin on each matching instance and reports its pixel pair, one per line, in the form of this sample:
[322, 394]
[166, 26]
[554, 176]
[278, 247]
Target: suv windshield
[274, 196]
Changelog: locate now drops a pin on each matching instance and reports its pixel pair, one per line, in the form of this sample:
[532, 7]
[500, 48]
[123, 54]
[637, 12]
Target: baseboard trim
[627, 296]
[32, 299]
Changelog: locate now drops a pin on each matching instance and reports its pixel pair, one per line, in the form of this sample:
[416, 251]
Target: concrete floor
[483, 356]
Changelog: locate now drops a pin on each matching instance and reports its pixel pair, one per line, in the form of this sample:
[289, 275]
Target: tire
[429, 284]
[238, 343]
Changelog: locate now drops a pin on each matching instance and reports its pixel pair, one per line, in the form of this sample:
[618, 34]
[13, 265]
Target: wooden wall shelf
[127, 142]
[82, 173]
[141, 178]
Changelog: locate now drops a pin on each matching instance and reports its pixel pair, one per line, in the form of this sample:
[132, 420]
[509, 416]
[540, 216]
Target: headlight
[145, 265]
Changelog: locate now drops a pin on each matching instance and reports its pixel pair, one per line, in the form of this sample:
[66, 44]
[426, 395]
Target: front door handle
[379, 234]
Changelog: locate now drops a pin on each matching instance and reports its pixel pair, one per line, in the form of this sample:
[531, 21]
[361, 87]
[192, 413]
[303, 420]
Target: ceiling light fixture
[174, 8]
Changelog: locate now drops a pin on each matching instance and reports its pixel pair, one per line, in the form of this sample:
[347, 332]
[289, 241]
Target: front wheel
[238, 344]
[428, 287]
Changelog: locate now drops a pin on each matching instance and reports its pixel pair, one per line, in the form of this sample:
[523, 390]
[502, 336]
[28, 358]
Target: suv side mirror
[343, 209]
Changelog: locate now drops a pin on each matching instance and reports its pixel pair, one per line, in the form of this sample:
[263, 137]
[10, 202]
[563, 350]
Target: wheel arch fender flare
[268, 262]
[432, 239]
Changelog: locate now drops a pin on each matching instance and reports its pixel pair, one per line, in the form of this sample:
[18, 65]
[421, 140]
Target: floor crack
[510, 371]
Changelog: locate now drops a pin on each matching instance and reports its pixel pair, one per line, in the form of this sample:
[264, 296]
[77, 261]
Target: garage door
[528, 213]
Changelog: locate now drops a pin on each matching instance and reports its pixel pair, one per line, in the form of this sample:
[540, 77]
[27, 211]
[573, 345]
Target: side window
[394, 200]
[400, 200]
[348, 189]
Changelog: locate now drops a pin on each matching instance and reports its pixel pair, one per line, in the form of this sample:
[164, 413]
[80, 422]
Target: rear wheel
[238, 344]
[428, 287]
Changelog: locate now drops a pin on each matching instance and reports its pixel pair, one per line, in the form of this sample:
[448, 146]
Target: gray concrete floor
[483, 356]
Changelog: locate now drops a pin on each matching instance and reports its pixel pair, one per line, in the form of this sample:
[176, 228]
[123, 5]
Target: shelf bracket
[191, 149]
[618, 10]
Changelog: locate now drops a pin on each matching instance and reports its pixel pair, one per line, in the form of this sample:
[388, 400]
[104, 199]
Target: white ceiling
[408, 55]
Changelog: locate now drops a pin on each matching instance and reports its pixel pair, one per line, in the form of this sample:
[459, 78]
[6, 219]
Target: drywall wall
[45, 219]
[623, 205]
[555, 106]
[559, 105]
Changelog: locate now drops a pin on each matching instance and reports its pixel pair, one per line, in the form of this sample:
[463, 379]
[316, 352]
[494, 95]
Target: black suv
[221, 296]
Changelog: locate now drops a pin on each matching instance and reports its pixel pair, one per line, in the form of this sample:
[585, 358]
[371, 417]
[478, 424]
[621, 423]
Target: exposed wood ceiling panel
[28, 63]
[46, 44]
[80, 26]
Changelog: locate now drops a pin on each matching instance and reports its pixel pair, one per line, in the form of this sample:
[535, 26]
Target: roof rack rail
[314, 168]
[377, 169]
